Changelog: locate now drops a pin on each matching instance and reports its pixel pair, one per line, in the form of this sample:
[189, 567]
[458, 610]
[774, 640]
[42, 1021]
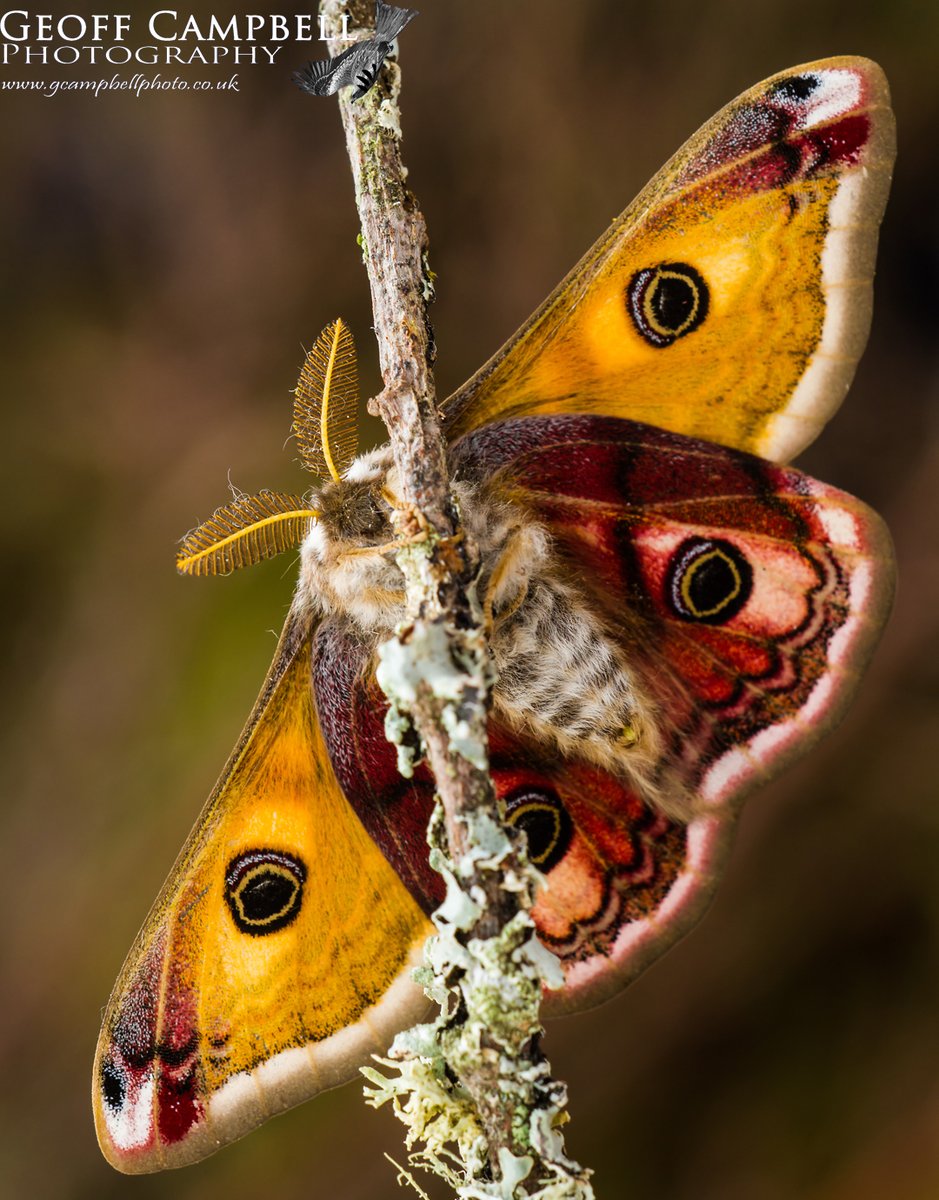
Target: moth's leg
[386, 597]
[515, 559]
[386, 548]
[401, 544]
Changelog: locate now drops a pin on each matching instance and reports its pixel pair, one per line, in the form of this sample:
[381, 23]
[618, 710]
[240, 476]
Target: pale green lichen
[548, 965]
[514, 1168]
[458, 909]
[439, 1116]
[489, 844]
[488, 988]
[496, 983]
[424, 661]
[463, 738]
[404, 1176]
[424, 658]
[398, 730]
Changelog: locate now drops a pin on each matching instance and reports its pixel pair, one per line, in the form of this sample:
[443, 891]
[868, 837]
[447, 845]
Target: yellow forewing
[213, 1027]
[787, 267]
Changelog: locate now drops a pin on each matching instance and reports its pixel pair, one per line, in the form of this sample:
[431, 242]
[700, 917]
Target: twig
[495, 1131]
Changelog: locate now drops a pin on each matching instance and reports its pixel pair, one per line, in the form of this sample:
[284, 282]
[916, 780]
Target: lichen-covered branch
[474, 1087]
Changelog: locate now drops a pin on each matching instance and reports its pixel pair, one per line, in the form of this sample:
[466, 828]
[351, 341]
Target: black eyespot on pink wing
[264, 890]
[708, 581]
[666, 302]
[544, 820]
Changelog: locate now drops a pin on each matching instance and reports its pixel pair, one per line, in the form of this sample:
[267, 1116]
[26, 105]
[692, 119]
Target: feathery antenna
[245, 532]
[327, 397]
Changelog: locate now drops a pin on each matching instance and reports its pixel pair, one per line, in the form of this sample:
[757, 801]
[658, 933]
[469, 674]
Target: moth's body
[673, 613]
[561, 676]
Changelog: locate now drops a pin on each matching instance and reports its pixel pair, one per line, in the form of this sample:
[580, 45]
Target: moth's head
[345, 526]
[347, 558]
[356, 509]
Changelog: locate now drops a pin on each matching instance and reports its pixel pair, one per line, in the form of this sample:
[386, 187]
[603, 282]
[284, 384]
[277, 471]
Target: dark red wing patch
[619, 861]
[761, 590]
[609, 861]
[797, 129]
[753, 594]
[150, 1077]
[351, 708]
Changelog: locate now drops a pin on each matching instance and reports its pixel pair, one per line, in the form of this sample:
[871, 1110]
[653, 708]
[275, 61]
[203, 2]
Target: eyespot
[708, 580]
[264, 890]
[666, 302]
[545, 822]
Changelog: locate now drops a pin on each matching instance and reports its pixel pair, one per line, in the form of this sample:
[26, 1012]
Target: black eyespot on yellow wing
[264, 890]
[774, 206]
[211, 1018]
[666, 302]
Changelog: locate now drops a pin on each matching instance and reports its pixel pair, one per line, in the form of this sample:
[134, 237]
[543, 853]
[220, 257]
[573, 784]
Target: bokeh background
[165, 259]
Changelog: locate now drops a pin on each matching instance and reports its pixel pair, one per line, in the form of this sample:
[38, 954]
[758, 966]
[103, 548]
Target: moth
[674, 614]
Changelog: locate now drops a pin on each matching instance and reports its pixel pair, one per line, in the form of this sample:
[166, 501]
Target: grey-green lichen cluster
[425, 655]
[425, 660]
[489, 990]
[478, 1065]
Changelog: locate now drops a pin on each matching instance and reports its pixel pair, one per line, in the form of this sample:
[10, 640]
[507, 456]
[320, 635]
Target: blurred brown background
[165, 260]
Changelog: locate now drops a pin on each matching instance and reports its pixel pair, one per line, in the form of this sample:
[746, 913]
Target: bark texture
[489, 969]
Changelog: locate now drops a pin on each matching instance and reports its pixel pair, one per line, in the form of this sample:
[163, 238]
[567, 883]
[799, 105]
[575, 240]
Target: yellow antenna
[245, 532]
[326, 403]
